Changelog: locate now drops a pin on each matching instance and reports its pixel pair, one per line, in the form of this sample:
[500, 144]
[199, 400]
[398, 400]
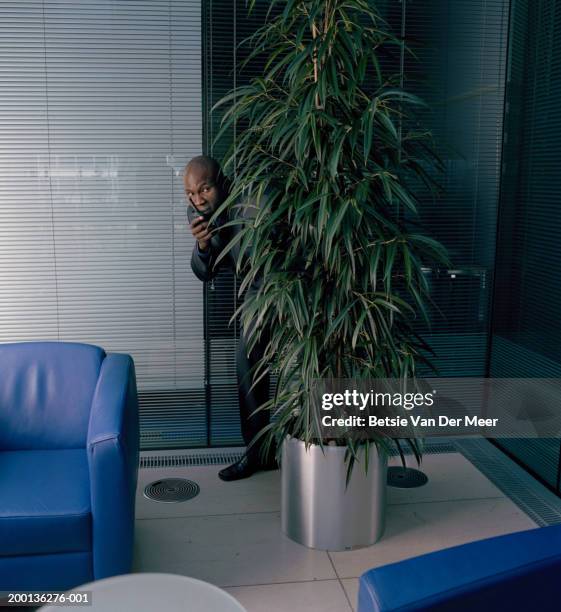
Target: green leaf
[333, 224]
[390, 253]
[401, 96]
[403, 196]
[323, 212]
[336, 154]
[387, 124]
[368, 123]
[333, 326]
[358, 328]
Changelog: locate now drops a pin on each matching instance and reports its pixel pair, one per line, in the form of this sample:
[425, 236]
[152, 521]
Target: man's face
[201, 189]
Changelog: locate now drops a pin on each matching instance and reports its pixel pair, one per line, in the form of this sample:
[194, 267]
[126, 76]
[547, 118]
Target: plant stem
[315, 61]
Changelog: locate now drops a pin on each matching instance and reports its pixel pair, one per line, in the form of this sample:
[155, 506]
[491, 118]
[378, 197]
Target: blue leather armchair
[515, 572]
[69, 442]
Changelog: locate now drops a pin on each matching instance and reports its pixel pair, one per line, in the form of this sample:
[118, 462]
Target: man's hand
[199, 229]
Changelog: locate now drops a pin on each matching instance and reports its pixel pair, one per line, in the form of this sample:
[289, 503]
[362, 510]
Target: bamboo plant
[331, 155]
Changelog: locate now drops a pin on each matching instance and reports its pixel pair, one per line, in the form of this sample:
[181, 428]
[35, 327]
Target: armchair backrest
[46, 391]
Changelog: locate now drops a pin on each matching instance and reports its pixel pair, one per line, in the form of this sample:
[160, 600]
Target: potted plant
[330, 154]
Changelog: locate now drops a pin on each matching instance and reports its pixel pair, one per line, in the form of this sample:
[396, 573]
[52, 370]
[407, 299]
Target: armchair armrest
[113, 449]
[518, 571]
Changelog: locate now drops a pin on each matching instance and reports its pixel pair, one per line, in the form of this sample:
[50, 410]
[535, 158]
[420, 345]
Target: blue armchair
[515, 572]
[69, 443]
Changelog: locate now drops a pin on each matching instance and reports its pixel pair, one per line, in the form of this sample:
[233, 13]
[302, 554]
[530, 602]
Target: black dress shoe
[243, 468]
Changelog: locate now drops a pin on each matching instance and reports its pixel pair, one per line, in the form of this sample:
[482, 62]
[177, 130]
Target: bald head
[204, 163]
[204, 184]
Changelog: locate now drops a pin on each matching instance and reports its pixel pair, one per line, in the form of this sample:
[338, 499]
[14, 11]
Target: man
[205, 189]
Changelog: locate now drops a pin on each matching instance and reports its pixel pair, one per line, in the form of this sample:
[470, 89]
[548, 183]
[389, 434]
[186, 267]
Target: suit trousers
[251, 398]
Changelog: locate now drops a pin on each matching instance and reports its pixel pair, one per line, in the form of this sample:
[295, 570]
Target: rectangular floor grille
[432, 448]
[218, 457]
[190, 459]
[540, 504]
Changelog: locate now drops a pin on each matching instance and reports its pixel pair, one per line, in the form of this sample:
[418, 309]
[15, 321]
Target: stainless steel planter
[318, 511]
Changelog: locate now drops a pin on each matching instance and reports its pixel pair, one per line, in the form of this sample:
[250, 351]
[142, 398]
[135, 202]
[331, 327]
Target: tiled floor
[230, 534]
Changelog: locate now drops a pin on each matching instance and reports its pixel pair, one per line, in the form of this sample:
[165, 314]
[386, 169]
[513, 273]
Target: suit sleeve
[202, 263]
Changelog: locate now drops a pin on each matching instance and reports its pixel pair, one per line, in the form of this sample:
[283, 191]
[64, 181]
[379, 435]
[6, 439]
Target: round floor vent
[406, 478]
[171, 490]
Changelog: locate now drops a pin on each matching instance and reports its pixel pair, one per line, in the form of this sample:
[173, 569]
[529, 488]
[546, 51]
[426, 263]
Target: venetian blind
[461, 49]
[526, 324]
[99, 99]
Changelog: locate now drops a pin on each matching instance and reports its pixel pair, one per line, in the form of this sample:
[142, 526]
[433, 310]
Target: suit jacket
[203, 262]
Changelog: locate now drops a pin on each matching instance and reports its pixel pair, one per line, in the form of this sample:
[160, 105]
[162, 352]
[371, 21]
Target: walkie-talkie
[193, 213]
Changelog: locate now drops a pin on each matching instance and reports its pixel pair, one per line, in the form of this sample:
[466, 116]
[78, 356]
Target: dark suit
[203, 266]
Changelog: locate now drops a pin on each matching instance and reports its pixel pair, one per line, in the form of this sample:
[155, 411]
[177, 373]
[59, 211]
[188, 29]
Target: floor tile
[451, 476]
[318, 596]
[260, 493]
[230, 550]
[351, 588]
[414, 529]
